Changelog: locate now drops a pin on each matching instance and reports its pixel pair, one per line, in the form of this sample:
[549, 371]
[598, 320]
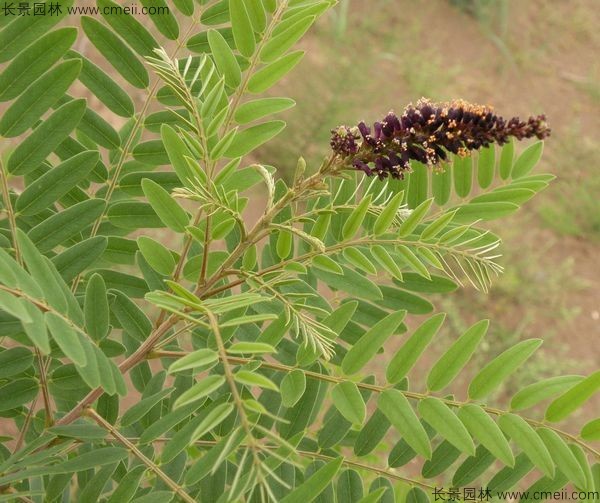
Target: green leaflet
[414, 218]
[445, 422]
[130, 285]
[371, 434]
[14, 361]
[441, 186]
[315, 484]
[507, 194]
[252, 379]
[256, 13]
[270, 74]
[495, 372]
[25, 111]
[250, 348]
[92, 459]
[356, 258]
[132, 182]
[24, 30]
[396, 408]
[527, 160]
[473, 467]
[98, 130]
[157, 255]
[134, 214]
[164, 20]
[67, 337]
[64, 225]
[32, 62]
[356, 218]
[394, 298]
[385, 260]
[17, 392]
[456, 357]
[368, 345]
[486, 163]
[167, 209]
[413, 261]
[55, 183]
[103, 87]
[45, 138]
[130, 316]
[326, 263]
[462, 168]
[96, 308]
[177, 152]
[529, 441]
[40, 269]
[247, 140]
[174, 118]
[349, 486]
[570, 401]
[116, 52]
[257, 109]
[198, 358]
[214, 417]
[199, 390]
[241, 24]
[535, 393]
[506, 160]
[471, 212]
[186, 7]
[128, 28]
[483, 428]
[508, 477]
[388, 215]
[437, 226]
[348, 400]
[417, 185]
[444, 455]
[199, 42]
[406, 357]
[224, 59]
[128, 485]
[216, 14]
[564, 458]
[292, 387]
[78, 257]
[591, 430]
[284, 40]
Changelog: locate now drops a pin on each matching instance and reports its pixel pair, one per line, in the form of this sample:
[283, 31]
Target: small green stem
[237, 399]
[177, 489]
[380, 389]
[13, 229]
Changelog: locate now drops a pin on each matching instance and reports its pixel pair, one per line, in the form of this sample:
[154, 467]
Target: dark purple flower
[426, 133]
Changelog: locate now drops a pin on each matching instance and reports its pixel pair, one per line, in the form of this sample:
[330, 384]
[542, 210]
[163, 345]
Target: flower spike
[426, 132]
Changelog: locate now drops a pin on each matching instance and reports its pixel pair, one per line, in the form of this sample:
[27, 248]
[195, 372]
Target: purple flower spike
[426, 133]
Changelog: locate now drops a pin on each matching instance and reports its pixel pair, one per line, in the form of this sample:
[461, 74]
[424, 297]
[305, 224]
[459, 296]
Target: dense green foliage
[160, 342]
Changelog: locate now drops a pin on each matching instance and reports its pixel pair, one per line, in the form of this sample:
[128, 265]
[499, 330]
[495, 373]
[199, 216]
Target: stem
[49, 420]
[13, 230]
[140, 455]
[316, 455]
[380, 389]
[205, 251]
[333, 249]
[253, 62]
[124, 367]
[10, 212]
[26, 424]
[234, 391]
[112, 182]
[179, 267]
